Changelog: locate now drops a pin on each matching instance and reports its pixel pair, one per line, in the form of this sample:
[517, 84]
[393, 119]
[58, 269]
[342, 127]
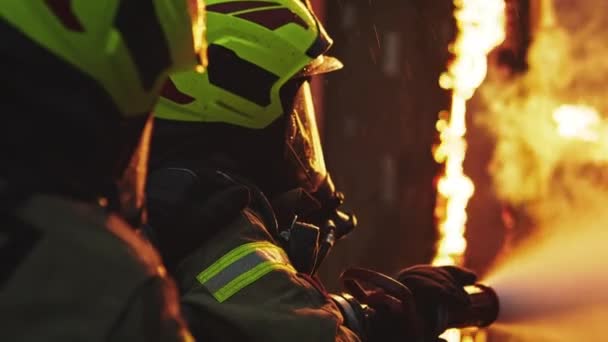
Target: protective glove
[437, 290]
[384, 308]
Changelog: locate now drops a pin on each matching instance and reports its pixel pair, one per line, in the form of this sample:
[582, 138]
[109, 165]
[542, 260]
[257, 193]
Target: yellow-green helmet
[255, 48]
[81, 79]
[127, 46]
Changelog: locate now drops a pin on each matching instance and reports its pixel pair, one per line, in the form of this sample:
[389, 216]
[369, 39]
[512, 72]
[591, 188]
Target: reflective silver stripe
[241, 267]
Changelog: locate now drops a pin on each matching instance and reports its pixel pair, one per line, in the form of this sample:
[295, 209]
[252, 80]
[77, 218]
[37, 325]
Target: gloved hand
[385, 307]
[436, 289]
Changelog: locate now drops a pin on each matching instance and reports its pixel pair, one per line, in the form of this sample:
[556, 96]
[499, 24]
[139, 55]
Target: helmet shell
[128, 47]
[255, 48]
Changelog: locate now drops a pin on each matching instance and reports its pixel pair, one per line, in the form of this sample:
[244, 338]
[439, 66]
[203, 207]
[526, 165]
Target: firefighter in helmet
[241, 204]
[80, 79]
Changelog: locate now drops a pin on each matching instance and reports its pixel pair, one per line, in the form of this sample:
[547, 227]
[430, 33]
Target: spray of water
[551, 162]
[556, 285]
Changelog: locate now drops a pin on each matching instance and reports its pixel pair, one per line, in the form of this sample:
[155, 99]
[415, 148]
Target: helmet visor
[303, 142]
[321, 65]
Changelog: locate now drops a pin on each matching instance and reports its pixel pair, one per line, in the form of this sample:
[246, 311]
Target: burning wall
[550, 167]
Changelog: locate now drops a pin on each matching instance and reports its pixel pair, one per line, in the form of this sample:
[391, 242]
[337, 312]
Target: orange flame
[481, 27]
[577, 122]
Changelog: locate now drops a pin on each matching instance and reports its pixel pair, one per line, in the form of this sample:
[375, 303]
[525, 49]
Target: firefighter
[79, 80]
[241, 205]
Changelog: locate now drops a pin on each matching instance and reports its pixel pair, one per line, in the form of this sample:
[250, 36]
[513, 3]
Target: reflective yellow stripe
[230, 258]
[249, 277]
[242, 266]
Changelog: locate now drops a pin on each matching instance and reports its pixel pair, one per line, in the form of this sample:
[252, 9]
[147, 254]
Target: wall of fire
[378, 117]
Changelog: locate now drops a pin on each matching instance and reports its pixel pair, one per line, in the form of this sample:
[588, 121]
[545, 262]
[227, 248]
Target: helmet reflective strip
[241, 267]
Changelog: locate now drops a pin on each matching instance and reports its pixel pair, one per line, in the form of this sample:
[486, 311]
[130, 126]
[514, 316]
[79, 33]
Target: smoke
[551, 165]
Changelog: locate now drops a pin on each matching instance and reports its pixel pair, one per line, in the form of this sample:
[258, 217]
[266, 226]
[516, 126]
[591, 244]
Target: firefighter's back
[72, 272]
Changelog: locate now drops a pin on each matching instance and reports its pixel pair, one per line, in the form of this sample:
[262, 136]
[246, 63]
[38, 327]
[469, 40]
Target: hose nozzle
[482, 312]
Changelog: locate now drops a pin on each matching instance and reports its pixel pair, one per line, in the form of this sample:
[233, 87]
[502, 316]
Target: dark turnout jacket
[236, 281]
[72, 272]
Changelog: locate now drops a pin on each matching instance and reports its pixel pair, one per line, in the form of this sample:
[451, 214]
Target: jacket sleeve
[241, 285]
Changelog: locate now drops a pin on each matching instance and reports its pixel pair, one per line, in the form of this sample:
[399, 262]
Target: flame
[481, 27]
[199, 31]
[577, 122]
